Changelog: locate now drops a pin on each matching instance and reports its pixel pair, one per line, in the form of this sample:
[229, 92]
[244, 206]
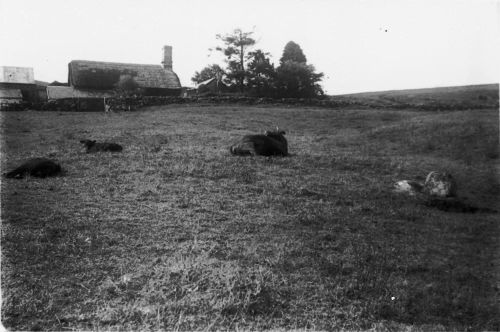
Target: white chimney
[167, 57]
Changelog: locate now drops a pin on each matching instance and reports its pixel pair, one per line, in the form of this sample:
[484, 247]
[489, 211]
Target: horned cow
[93, 146]
[271, 143]
[37, 167]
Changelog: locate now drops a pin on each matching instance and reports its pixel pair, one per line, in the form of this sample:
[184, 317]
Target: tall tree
[294, 77]
[261, 73]
[293, 52]
[235, 48]
[298, 80]
[208, 72]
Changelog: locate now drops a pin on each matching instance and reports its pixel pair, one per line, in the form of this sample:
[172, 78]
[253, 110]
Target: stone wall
[60, 105]
[126, 103]
[131, 103]
[120, 104]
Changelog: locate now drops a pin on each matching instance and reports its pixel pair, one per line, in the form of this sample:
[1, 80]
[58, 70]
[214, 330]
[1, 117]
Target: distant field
[175, 233]
[475, 96]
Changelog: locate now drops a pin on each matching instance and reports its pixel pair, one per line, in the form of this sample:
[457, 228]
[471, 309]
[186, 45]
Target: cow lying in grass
[272, 143]
[438, 191]
[37, 167]
[93, 146]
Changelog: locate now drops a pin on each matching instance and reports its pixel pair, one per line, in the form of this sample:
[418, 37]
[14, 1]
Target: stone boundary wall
[120, 104]
[123, 104]
[68, 104]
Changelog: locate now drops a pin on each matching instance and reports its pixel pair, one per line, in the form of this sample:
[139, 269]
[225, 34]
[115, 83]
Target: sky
[369, 45]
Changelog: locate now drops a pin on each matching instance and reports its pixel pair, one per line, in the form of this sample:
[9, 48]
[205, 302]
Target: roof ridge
[118, 63]
[207, 81]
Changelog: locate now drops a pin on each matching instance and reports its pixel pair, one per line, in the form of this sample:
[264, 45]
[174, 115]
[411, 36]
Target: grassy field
[175, 233]
[481, 96]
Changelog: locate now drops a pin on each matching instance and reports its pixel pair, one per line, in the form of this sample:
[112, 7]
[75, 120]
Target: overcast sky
[358, 45]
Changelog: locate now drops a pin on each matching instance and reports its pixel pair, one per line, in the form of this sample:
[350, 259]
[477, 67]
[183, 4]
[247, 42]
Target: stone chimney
[167, 57]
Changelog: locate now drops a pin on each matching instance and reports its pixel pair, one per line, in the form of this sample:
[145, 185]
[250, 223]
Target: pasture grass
[465, 97]
[175, 233]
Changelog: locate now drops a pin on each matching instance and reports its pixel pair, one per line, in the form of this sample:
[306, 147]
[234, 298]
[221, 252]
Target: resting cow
[93, 146]
[37, 167]
[272, 143]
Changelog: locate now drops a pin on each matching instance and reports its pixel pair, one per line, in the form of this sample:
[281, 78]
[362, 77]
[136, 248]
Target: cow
[93, 146]
[37, 167]
[271, 143]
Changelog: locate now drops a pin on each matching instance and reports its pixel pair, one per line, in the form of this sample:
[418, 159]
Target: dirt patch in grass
[176, 233]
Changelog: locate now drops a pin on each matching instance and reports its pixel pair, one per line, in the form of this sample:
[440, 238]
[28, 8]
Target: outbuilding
[20, 79]
[212, 85]
[10, 96]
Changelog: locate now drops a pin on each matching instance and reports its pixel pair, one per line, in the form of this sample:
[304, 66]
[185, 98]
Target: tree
[260, 73]
[207, 73]
[298, 80]
[294, 77]
[235, 48]
[293, 52]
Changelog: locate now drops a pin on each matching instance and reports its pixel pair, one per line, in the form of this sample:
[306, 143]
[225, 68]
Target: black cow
[37, 167]
[272, 143]
[93, 146]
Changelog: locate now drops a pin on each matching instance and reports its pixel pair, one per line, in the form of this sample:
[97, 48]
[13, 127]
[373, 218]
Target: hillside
[461, 97]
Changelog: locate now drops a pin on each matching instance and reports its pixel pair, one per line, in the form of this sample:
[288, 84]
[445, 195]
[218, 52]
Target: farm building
[153, 80]
[69, 92]
[10, 96]
[17, 75]
[19, 78]
[187, 91]
[41, 89]
[212, 85]
[83, 100]
[90, 82]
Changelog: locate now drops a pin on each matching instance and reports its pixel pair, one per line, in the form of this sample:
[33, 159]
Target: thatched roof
[105, 75]
[63, 92]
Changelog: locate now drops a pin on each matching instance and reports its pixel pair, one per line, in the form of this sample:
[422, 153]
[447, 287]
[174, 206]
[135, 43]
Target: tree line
[251, 72]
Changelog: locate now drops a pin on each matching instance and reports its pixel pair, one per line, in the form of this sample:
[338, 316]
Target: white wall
[16, 75]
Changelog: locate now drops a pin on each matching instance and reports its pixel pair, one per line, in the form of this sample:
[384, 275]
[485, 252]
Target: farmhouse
[97, 79]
